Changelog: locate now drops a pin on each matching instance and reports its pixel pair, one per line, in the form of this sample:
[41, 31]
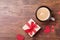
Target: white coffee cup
[44, 13]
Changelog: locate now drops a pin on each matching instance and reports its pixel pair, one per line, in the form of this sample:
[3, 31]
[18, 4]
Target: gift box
[31, 28]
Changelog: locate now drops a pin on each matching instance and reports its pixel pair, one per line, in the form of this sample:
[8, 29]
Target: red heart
[47, 29]
[52, 28]
[20, 37]
[58, 12]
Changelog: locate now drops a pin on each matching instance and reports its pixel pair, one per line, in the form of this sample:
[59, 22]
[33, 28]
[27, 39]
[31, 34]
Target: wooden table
[15, 13]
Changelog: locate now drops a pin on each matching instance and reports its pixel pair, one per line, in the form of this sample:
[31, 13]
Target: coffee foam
[43, 14]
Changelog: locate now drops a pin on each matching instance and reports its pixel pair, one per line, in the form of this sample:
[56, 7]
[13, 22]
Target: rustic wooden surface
[15, 13]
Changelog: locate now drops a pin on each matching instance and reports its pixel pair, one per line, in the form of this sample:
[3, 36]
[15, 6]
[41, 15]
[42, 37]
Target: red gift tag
[47, 29]
[20, 37]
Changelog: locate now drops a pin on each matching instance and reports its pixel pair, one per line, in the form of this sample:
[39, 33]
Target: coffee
[43, 13]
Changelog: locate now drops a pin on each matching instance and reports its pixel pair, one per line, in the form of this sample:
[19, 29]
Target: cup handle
[52, 18]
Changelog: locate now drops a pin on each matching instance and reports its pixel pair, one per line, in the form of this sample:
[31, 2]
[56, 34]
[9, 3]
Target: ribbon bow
[32, 27]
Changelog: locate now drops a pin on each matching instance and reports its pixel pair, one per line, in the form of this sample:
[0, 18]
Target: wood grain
[15, 13]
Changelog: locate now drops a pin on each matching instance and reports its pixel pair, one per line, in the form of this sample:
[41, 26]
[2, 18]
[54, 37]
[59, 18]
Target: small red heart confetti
[52, 28]
[20, 37]
[47, 29]
[58, 12]
[57, 25]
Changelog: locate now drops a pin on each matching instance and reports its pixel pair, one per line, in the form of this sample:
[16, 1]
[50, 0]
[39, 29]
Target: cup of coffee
[44, 13]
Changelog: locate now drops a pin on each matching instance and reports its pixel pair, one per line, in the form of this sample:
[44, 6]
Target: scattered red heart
[20, 37]
[47, 29]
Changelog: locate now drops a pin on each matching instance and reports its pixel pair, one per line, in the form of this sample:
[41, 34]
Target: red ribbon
[32, 27]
